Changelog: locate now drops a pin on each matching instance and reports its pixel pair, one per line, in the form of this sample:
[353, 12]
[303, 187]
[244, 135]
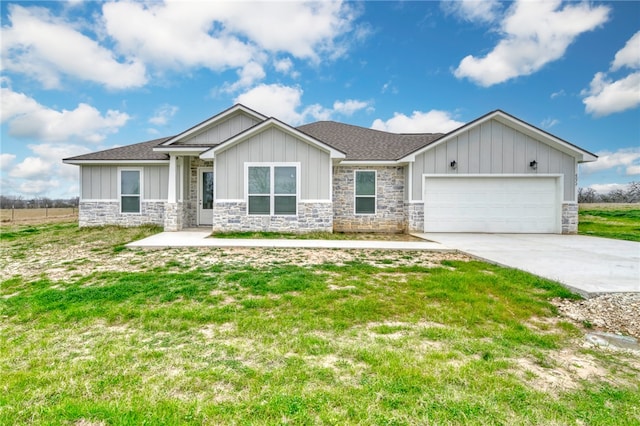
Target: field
[67, 214]
[93, 333]
[619, 221]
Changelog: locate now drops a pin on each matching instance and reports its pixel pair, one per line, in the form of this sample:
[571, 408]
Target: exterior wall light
[453, 164]
[533, 164]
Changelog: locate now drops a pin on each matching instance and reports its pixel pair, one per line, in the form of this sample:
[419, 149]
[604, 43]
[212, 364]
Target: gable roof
[517, 124]
[212, 121]
[271, 123]
[362, 144]
[137, 152]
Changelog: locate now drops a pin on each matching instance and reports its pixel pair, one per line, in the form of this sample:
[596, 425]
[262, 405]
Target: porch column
[172, 209]
[171, 195]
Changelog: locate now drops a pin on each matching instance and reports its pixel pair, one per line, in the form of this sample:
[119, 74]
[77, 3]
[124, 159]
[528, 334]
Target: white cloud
[534, 34]
[38, 44]
[29, 119]
[283, 66]
[163, 114]
[473, 10]
[626, 160]
[633, 170]
[549, 122]
[285, 104]
[31, 167]
[248, 75]
[605, 188]
[38, 186]
[222, 35]
[557, 94]
[433, 121]
[607, 96]
[6, 160]
[629, 55]
[350, 106]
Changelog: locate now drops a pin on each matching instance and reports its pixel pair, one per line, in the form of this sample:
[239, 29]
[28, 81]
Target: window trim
[140, 170]
[374, 196]
[272, 194]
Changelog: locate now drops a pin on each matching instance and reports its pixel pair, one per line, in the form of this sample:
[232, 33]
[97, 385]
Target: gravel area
[617, 313]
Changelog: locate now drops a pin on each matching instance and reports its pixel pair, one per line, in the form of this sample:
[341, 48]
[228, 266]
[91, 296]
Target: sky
[82, 76]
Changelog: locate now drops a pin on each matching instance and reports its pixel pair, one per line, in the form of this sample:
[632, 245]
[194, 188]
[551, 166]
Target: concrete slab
[587, 265]
[199, 238]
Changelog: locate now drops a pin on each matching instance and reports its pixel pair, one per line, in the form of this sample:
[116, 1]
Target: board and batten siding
[493, 148]
[101, 182]
[222, 131]
[273, 145]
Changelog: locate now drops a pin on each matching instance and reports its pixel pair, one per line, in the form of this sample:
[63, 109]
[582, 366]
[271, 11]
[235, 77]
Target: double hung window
[365, 192]
[272, 189]
[130, 190]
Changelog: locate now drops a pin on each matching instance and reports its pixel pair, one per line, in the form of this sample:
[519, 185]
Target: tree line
[630, 194]
[19, 202]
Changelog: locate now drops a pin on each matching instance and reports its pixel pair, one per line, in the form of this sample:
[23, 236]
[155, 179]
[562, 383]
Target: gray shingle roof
[138, 151]
[360, 143]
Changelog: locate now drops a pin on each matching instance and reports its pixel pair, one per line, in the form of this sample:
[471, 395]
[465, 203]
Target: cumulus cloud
[285, 104]
[607, 95]
[38, 45]
[605, 188]
[248, 75]
[31, 167]
[473, 10]
[549, 122]
[163, 114]
[6, 160]
[433, 121]
[29, 119]
[534, 33]
[625, 160]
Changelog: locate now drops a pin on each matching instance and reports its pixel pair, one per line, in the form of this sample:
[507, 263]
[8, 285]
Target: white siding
[273, 145]
[493, 148]
[222, 131]
[101, 182]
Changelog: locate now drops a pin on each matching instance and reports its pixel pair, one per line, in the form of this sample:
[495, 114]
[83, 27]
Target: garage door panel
[492, 204]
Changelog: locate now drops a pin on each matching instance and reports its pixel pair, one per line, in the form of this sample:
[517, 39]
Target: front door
[205, 196]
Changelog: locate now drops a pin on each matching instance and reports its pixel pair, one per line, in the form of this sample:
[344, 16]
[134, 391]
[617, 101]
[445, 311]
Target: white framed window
[272, 188]
[130, 190]
[365, 191]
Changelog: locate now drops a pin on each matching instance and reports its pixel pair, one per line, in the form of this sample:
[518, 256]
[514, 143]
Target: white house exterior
[243, 171]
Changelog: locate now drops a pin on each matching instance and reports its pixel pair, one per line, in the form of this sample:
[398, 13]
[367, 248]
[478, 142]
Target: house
[240, 170]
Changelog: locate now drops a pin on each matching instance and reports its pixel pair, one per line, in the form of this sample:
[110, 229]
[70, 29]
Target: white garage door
[513, 204]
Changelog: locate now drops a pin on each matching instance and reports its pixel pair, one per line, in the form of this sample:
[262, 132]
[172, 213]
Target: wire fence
[44, 214]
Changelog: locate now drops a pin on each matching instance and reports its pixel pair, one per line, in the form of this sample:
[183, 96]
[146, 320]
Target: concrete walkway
[198, 238]
[587, 265]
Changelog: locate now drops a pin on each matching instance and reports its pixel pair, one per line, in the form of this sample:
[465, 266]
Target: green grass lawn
[174, 342]
[619, 221]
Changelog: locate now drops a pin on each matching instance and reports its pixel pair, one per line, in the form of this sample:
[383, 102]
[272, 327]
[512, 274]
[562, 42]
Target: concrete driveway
[587, 265]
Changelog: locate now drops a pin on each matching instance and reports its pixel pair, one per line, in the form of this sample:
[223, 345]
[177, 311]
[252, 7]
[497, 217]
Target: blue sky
[84, 76]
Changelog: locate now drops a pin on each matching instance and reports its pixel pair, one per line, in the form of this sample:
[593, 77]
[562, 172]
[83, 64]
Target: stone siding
[190, 208]
[390, 216]
[98, 213]
[173, 216]
[415, 216]
[233, 217]
[569, 218]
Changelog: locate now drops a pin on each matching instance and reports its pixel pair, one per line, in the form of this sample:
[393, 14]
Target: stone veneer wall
[190, 202]
[232, 216]
[97, 213]
[569, 218]
[390, 209]
[173, 216]
[415, 216]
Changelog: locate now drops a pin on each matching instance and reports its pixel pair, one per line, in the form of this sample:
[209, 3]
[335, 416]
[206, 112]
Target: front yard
[92, 333]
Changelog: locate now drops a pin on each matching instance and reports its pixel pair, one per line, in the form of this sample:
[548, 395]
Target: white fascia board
[372, 163]
[271, 122]
[181, 150]
[114, 162]
[216, 118]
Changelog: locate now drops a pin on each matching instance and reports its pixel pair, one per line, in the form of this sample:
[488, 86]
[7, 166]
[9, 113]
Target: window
[272, 190]
[130, 191]
[365, 191]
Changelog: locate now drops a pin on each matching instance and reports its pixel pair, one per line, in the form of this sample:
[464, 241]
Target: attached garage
[493, 203]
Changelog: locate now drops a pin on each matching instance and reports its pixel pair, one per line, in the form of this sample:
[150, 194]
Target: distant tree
[587, 195]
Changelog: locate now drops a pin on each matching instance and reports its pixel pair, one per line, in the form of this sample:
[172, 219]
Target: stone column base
[569, 218]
